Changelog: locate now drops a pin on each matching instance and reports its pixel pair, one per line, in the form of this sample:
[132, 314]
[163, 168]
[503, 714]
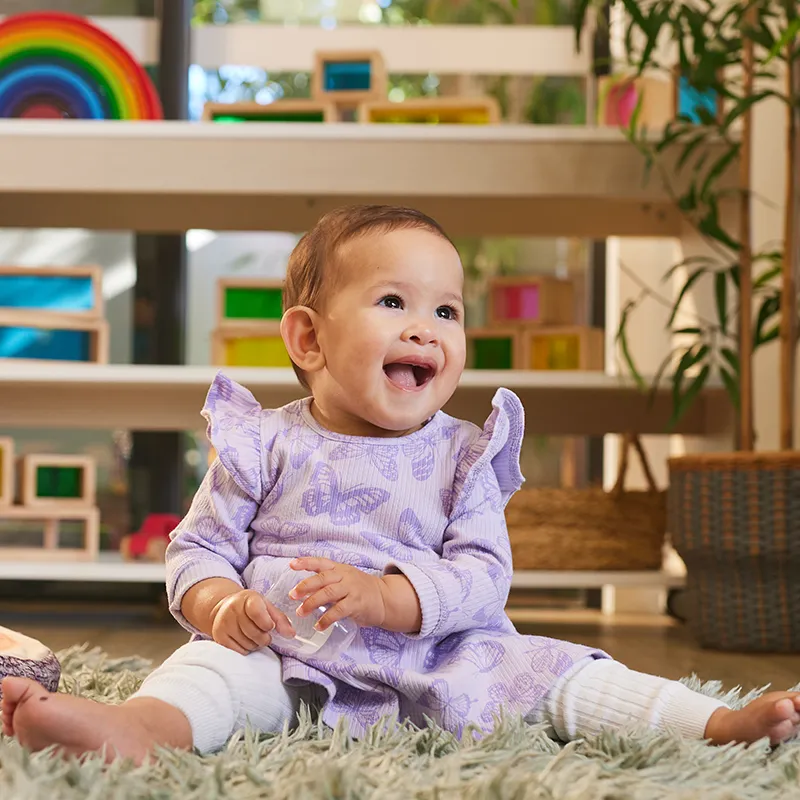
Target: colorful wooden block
[68, 290]
[689, 101]
[57, 481]
[6, 471]
[246, 300]
[52, 336]
[433, 110]
[530, 301]
[618, 96]
[254, 345]
[349, 76]
[51, 517]
[494, 348]
[290, 110]
[565, 348]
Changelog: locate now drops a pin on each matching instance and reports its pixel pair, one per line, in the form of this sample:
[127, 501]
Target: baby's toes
[783, 719]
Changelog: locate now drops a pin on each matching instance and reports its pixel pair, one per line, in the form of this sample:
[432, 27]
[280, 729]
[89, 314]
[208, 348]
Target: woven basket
[735, 520]
[590, 529]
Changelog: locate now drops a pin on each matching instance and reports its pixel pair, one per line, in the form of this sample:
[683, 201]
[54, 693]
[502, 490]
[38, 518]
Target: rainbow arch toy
[60, 66]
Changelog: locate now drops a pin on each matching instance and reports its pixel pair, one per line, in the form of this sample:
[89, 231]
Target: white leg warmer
[601, 693]
[220, 691]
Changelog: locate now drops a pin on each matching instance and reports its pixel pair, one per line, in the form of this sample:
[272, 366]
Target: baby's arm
[209, 549]
[468, 587]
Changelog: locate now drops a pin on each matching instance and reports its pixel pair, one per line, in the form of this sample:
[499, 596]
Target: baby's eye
[391, 301]
[446, 312]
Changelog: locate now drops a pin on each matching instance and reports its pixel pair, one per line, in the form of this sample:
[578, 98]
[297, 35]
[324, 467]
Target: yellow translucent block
[256, 351]
[433, 116]
[555, 352]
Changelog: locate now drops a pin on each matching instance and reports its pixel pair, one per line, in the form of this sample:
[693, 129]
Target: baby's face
[392, 332]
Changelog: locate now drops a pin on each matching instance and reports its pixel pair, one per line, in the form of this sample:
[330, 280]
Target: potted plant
[733, 517]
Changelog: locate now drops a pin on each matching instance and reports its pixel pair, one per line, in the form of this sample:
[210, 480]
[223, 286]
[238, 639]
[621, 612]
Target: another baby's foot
[38, 719]
[775, 715]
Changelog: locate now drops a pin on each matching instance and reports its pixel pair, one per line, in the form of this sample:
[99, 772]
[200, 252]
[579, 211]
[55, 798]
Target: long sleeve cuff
[430, 602]
[182, 576]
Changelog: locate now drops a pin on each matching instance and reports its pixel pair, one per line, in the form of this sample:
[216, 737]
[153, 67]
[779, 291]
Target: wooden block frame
[223, 334]
[378, 77]
[28, 466]
[92, 272]
[556, 301]
[267, 110]
[515, 334]
[51, 320]
[591, 345]
[446, 106]
[223, 284]
[6, 471]
[658, 99]
[50, 550]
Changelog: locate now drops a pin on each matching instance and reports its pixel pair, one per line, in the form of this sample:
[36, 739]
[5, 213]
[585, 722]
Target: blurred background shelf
[139, 397]
[110, 567]
[500, 180]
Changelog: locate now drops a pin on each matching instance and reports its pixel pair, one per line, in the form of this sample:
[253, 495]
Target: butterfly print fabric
[429, 505]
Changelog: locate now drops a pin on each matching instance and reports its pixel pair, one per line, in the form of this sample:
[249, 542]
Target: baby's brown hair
[306, 275]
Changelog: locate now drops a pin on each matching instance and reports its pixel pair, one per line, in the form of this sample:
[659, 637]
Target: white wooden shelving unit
[493, 180]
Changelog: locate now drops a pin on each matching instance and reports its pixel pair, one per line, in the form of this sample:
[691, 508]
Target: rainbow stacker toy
[60, 66]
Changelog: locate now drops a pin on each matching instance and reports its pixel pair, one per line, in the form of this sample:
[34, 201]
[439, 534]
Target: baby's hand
[243, 621]
[351, 592]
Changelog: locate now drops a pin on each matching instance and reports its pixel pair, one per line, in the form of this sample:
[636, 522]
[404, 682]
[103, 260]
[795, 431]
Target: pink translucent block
[517, 302]
[620, 104]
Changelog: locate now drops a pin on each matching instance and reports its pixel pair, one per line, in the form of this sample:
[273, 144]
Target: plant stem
[790, 260]
[746, 436]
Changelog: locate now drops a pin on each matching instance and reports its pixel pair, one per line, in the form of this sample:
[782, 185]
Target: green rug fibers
[398, 762]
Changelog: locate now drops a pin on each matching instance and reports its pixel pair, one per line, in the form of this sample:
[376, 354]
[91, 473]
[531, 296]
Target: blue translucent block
[36, 343]
[47, 292]
[347, 76]
[690, 100]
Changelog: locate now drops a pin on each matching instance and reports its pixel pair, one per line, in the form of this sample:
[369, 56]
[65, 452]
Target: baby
[391, 514]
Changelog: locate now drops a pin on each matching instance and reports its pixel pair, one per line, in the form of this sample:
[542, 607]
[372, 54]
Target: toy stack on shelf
[247, 332]
[531, 326]
[352, 86]
[660, 100]
[50, 489]
[53, 314]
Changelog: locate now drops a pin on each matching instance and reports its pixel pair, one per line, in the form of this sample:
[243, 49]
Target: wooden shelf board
[135, 397]
[499, 179]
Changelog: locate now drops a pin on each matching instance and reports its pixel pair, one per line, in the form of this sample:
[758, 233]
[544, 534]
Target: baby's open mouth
[410, 375]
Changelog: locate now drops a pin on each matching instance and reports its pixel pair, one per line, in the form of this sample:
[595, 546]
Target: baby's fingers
[255, 609]
[281, 621]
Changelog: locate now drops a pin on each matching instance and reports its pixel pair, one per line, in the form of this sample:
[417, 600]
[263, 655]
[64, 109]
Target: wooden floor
[656, 645]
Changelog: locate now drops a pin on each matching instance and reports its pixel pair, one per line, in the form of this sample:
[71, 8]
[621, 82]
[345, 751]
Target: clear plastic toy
[308, 641]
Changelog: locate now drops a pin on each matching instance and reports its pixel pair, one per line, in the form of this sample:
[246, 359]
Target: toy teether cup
[308, 641]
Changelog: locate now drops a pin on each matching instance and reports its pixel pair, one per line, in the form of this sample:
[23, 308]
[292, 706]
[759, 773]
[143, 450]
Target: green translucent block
[283, 116]
[59, 482]
[247, 302]
[493, 354]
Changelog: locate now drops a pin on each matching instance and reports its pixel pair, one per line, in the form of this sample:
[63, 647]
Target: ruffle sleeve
[234, 419]
[497, 449]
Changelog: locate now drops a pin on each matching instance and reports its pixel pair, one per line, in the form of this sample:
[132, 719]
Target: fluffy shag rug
[399, 762]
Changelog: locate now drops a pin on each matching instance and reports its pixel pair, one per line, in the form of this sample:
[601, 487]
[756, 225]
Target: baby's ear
[299, 331]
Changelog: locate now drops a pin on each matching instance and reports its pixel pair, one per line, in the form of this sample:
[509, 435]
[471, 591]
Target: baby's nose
[420, 334]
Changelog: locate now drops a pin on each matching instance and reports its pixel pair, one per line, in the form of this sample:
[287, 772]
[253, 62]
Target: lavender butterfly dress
[428, 505]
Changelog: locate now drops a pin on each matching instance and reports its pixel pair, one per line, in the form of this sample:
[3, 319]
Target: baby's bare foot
[775, 715]
[39, 719]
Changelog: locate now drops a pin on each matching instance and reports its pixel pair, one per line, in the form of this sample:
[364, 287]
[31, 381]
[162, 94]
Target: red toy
[150, 542]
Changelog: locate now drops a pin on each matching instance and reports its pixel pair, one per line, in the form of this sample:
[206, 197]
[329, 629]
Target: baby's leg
[219, 691]
[598, 694]
[198, 697]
